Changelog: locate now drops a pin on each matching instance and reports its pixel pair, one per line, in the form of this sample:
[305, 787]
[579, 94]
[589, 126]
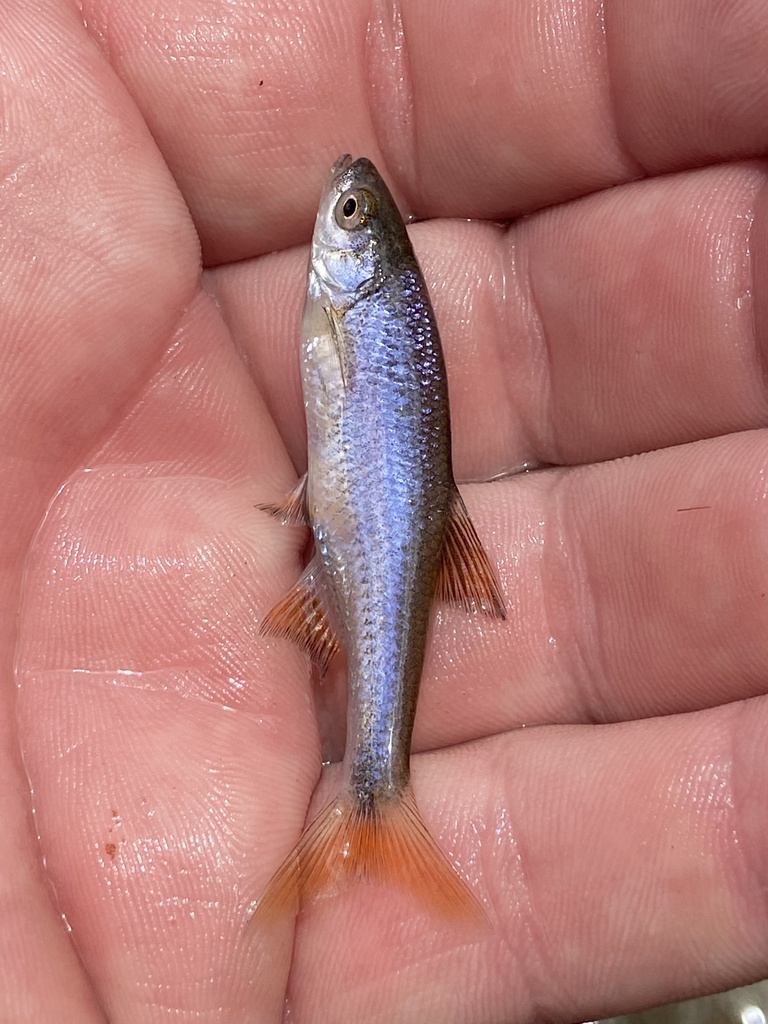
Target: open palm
[171, 752]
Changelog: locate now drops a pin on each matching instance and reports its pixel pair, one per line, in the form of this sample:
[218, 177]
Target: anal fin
[301, 616]
[466, 575]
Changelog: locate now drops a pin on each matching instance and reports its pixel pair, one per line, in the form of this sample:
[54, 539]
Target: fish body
[379, 478]
[390, 532]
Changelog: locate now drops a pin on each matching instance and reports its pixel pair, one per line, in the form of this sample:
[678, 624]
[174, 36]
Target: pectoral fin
[334, 323]
[301, 616]
[466, 574]
[292, 510]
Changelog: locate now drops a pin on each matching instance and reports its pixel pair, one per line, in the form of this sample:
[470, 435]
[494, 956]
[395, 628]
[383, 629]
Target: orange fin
[387, 842]
[466, 574]
[301, 617]
[292, 510]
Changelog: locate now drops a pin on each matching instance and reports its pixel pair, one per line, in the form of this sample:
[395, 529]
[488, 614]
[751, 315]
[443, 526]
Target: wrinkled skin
[173, 753]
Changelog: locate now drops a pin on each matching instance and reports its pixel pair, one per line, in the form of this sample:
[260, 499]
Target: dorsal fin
[466, 574]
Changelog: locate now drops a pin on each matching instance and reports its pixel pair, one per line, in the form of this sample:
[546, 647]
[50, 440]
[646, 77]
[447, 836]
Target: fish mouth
[344, 161]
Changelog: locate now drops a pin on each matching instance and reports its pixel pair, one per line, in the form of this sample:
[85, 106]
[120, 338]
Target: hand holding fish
[170, 751]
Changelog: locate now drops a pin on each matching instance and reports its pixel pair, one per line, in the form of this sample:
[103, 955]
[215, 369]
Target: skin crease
[619, 847]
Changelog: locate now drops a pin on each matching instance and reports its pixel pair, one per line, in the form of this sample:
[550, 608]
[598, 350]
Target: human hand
[173, 751]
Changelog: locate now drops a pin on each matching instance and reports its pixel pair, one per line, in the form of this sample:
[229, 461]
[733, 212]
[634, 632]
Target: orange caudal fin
[466, 574]
[387, 842]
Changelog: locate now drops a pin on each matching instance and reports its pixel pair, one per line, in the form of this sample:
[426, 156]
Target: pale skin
[173, 752]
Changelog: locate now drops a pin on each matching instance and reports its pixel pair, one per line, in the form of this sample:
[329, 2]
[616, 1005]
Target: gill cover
[348, 235]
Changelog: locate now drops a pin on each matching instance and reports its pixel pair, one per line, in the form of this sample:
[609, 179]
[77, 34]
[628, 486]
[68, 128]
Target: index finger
[472, 110]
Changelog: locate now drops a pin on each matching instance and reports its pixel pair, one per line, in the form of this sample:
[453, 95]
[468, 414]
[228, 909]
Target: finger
[634, 589]
[622, 867]
[171, 749]
[617, 324]
[473, 110]
[672, 118]
[571, 669]
[89, 214]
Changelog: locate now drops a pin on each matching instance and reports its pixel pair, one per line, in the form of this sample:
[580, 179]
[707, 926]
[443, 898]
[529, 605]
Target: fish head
[359, 232]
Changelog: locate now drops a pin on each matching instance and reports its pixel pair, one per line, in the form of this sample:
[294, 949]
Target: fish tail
[386, 841]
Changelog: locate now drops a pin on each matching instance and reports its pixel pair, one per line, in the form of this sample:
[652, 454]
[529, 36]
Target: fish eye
[354, 208]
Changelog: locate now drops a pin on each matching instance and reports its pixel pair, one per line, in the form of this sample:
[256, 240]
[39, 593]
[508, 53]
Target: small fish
[391, 533]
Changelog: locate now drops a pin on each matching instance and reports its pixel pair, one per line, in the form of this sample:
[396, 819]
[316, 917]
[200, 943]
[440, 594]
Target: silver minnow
[391, 534]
